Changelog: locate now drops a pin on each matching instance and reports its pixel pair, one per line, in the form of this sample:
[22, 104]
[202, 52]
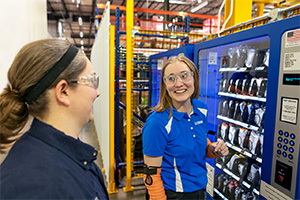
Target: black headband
[36, 90]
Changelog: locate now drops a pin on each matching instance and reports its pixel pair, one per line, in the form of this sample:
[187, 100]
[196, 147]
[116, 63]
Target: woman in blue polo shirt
[55, 85]
[174, 136]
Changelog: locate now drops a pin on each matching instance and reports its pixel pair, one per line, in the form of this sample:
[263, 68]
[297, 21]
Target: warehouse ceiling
[64, 16]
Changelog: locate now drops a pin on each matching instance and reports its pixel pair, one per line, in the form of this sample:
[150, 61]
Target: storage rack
[119, 62]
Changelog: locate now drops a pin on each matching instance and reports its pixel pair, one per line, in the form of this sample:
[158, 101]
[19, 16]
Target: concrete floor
[138, 193]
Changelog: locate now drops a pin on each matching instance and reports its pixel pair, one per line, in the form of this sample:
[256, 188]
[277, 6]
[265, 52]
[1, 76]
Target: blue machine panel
[244, 88]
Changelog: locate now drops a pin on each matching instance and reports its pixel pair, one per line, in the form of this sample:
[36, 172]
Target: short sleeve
[155, 137]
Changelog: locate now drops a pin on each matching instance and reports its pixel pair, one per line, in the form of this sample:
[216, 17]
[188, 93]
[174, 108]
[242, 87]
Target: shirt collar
[80, 152]
[179, 115]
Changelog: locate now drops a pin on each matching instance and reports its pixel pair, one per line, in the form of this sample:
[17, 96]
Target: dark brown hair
[165, 100]
[32, 62]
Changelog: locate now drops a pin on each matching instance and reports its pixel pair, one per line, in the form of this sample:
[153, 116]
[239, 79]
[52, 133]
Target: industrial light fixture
[81, 34]
[80, 21]
[199, 6]
[81, 42]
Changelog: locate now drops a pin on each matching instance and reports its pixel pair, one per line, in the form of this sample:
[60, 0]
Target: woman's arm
[152, 178]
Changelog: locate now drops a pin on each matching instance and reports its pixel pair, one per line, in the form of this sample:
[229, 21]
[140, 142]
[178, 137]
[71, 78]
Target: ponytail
[13, 117]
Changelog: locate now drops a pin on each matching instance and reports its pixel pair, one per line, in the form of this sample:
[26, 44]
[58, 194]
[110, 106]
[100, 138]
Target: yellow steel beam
[237, 11]
[112, 182]
[260, 9]
[129, 101]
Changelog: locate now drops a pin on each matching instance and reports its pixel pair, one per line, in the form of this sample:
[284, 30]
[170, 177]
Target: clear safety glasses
[183, 76]
[91, 80]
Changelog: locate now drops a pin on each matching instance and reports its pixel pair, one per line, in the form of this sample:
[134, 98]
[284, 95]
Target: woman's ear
[62, 92]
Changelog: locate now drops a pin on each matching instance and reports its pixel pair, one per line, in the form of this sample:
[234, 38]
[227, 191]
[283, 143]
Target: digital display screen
[291, 79]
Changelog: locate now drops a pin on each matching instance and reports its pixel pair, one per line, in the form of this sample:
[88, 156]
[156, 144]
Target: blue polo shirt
[181, 140]
[47, 164]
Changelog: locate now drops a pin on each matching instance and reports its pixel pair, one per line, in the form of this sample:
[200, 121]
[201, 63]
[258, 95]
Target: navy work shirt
[47, 164]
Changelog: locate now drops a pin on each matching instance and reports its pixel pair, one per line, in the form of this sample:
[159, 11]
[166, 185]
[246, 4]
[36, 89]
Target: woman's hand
[219, 148]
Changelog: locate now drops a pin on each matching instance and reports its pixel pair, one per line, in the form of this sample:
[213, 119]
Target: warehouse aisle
[89, 136]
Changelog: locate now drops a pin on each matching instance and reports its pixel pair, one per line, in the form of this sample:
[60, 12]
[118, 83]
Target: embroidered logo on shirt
[198, 122]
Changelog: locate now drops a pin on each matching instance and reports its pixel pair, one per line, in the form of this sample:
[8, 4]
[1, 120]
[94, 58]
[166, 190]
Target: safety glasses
[183, 76]
[91, 80]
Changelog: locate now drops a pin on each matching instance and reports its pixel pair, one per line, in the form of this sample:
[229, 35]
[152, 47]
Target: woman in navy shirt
[54, 84]
[175, 145]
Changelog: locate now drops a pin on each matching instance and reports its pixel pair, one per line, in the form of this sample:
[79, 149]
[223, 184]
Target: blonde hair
[31, 63]
[165, 100]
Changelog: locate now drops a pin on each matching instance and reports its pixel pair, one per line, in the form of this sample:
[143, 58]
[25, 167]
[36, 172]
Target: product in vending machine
[231, 107]
[244, 137]
[225, 85]
[254, 176]
[224, 131]
[253, 87]
[254, 141]
[232, 56]
[250, 58]
[237, 111]
[231, 85]
[259, 115]
[251, 114]
[233, 134]
[243, 111]
[220, 108]
[238, 86]
[225, 108]
[241, 53]
[266, 58]
[224, 61]
[262, 92]
[245, 86]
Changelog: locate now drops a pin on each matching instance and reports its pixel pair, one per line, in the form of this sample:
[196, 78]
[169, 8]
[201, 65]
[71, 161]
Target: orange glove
[209, 153]
[154, 183]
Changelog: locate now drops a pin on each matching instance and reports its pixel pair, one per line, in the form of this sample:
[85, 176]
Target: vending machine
[250, 81]
[156, 63]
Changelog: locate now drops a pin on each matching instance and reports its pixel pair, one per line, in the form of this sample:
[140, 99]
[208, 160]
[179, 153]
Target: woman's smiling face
[181, 91]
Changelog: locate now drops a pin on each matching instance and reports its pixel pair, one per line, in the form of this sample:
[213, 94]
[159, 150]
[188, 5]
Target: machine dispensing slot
[283, 175]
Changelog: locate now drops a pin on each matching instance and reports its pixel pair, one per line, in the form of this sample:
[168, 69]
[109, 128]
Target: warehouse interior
[129, 41]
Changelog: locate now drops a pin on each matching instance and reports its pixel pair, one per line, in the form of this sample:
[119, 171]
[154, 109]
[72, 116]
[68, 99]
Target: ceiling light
[80, 21]
[82, 48]
[199, 6]
[81, 34]
[181, 13]
[81, 42]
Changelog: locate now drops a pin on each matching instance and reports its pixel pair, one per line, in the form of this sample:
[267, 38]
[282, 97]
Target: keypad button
[284, 154]
[293, 136]
[291, 156]
[292, 143]
[279, 145]
[280, 139]
[285, 141]
[284, 147]
[279, 152]
[286, 134]
[291, 149]
[280, 132]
